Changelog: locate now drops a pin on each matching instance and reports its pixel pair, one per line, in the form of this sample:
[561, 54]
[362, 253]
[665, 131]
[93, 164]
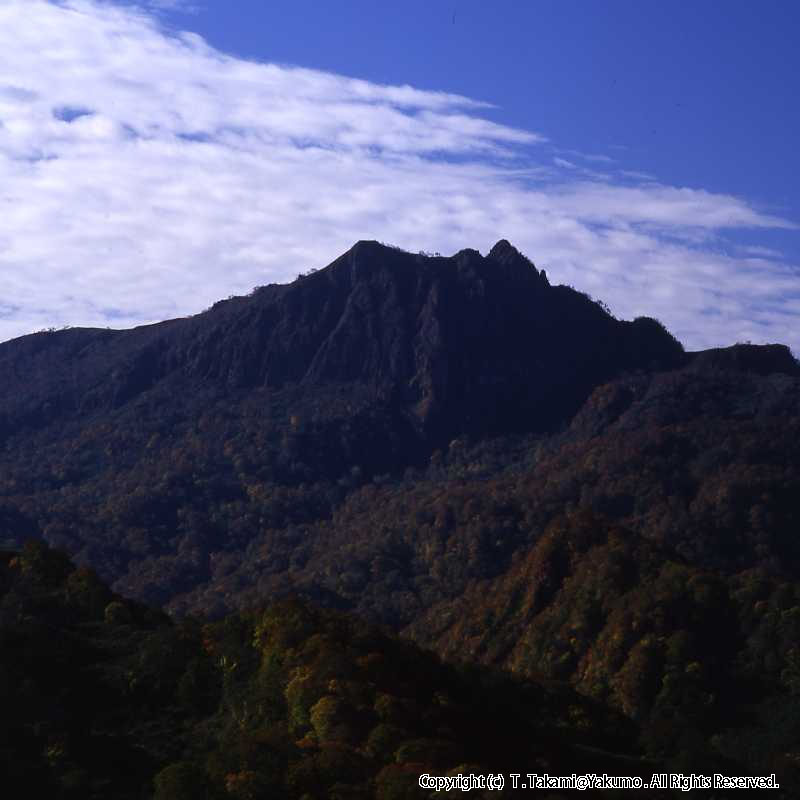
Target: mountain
[360, 369]
[489, 465]
[465, 344]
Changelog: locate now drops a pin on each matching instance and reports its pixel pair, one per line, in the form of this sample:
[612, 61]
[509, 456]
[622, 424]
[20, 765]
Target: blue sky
[700, 94]
[160, 155]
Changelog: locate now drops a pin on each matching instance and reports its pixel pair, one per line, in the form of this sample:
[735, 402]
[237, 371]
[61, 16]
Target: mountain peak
[455, 345]
[505, 253]
[367, 246]
[760, 359]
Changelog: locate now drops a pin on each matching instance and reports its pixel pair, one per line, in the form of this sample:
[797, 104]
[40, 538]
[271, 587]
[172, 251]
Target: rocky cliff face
[461, 344]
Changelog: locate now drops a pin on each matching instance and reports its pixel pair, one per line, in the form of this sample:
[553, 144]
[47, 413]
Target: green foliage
[287, 702]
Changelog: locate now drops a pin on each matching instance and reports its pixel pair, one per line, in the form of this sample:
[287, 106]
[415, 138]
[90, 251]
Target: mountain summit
[466, 344]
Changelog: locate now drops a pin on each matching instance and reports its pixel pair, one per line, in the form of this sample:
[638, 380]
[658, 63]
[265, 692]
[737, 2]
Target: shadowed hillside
[490, 465]
[105, 698]
[127, 447]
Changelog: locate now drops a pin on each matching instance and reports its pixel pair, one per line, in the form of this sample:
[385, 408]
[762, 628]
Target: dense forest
[584, 537]
[104, 697]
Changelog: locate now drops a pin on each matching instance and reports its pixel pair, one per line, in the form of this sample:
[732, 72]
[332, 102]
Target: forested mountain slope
[105, 698]
[490, 465]
[155, 453]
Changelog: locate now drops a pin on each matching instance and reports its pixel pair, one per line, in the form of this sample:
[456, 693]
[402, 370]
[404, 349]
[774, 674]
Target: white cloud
[171, 5]
[145, 175]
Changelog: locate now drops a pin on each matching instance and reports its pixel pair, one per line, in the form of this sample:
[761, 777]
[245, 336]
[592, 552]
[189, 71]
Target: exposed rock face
[766, 359]
[462, 344]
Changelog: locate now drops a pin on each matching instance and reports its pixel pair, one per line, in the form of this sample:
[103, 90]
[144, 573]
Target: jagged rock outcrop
[462, 344]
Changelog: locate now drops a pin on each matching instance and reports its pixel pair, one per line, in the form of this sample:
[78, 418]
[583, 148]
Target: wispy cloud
[145, 175]
[184, 6]
[597, 158]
